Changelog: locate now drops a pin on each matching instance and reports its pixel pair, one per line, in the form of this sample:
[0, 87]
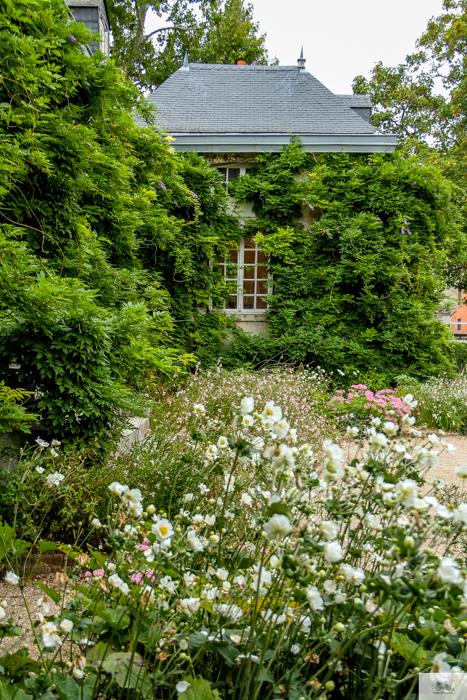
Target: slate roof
[233, 99]
[357, 100]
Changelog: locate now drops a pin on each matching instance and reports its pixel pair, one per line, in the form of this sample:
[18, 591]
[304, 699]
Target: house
[93, 14]
[230, 113]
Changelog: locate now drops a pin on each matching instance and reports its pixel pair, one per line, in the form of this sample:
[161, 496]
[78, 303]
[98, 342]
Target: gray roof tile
[219, 99]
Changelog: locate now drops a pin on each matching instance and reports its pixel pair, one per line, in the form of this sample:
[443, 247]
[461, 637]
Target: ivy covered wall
[358, 286]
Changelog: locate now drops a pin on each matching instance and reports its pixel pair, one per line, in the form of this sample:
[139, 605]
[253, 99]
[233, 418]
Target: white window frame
[240, 283]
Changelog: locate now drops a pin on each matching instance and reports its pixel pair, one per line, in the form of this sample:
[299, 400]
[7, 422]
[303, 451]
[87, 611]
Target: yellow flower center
[164, 531]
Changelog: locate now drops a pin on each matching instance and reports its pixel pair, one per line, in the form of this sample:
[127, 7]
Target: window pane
[249, 257]
[261, 303]
[233, 255]
[249, 273]
[232, 302]
[262, 257]
[261, 288]
[248, 302]
[222, 171]
[220, 269]
[249, 287]
[234, 173]
[262, 273]
[249, 243]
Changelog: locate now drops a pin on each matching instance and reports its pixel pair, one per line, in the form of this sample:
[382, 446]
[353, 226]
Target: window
[246, 272]
[459, 296]
[230, 174]
[459, 324]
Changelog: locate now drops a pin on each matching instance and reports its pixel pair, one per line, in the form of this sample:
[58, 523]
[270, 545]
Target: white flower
[54, 479]
[223, 442]
[203, 489]
[270, 616]
[50, 638]
[188, 497]
[210, 520]
[95, 522]
[45, 604]
[194, 541]
[115, 581]
[461, 471]
[295, 649]
[449, 572]
[441, 669]
[274, 562]
[222, 574]
[182, 686]
[460, 514]
[162, 529]
[199, 409]
[210, 594]
[131, 496]
[66, 626]
[329, 586]
[53, 452]
[247, 404]
[281, 428]
[247, 421]
[329, 530]
[228, 610]
[333, 552]
[11, 578]
[40, 470]
[390, 428]
[409, 401]
[271, 412]
[377, 441]
[189, 606]
[246, 499]
[433, 438]
[314, 598]
[352, 432]
[55, 443]
[167, 584]
[229, 482]
[355, 576]
[240, 581]
[293, 437]
[2, 613]
[381, 648]
[444, 512]
[277, 526]
[189, 578]
[406, 492]
[42, 443]
[211, 452]
[117, 488]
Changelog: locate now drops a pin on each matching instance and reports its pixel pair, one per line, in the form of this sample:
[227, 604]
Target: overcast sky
[341, 38]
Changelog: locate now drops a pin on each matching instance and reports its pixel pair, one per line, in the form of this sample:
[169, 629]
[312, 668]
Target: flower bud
[339, 627]
[409, 542]
[330, 685]
[151, 509]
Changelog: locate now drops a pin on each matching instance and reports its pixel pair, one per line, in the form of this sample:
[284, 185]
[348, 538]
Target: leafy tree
[210, 31]
[99, 218]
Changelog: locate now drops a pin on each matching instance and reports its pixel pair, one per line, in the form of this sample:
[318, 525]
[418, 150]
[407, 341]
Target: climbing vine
[361, 249]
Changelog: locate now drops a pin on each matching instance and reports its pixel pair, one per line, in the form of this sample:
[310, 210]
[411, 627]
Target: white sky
[341, 38]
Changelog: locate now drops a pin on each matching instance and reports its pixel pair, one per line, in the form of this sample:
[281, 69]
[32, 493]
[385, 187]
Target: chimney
[241, 62]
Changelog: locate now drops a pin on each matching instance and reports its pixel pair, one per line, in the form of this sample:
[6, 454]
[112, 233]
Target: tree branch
[163, 29]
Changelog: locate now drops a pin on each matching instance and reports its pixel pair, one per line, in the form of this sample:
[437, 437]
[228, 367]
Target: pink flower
[96, 572]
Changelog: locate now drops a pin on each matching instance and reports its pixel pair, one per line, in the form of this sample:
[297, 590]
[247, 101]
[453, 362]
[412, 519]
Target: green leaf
[128, 670]
[12, 692]
[6, 536]
[116, 618]
[45, 546]
[199, 690]
[408, 649]
[277, 508]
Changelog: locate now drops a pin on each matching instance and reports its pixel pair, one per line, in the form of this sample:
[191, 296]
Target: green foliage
[13, 415]
[210, 31]
[361, 272]
[105, 231]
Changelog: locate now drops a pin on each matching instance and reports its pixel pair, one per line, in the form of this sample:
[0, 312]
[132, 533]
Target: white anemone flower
[162, 529]
[199, 409]
[117, 488]
[246, 499]
[352, 431]
[54, 479]
[66, 625]
[194, 541]
[329, 586]
[441, 670]
[333, 552]
[248, 421]
[40, 470]
[42, 443]
[55, 443]
[247, 404]
[50, 638]
[281, 428]
[131, 496]
[329, 530]
[230, 610]
[390, 428]
[11, 578]
[271, 412]
[410, 401]
[189, 606]
[222, 442]
[277, 526]
[95, 522]
[53, 452]
[315, 600]
[182, 687]
[406, 492]
[222, 574]
[293, 437]
[449, 572]
[377, 442]
[461, 471]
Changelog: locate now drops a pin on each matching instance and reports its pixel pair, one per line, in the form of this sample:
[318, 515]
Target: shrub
[285, 574]
[442, 401]
[360, 404]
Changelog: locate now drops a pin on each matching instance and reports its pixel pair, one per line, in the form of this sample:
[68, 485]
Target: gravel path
[449, 460]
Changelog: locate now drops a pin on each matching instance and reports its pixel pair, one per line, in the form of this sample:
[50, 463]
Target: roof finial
[301, 61]
[185, 63]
